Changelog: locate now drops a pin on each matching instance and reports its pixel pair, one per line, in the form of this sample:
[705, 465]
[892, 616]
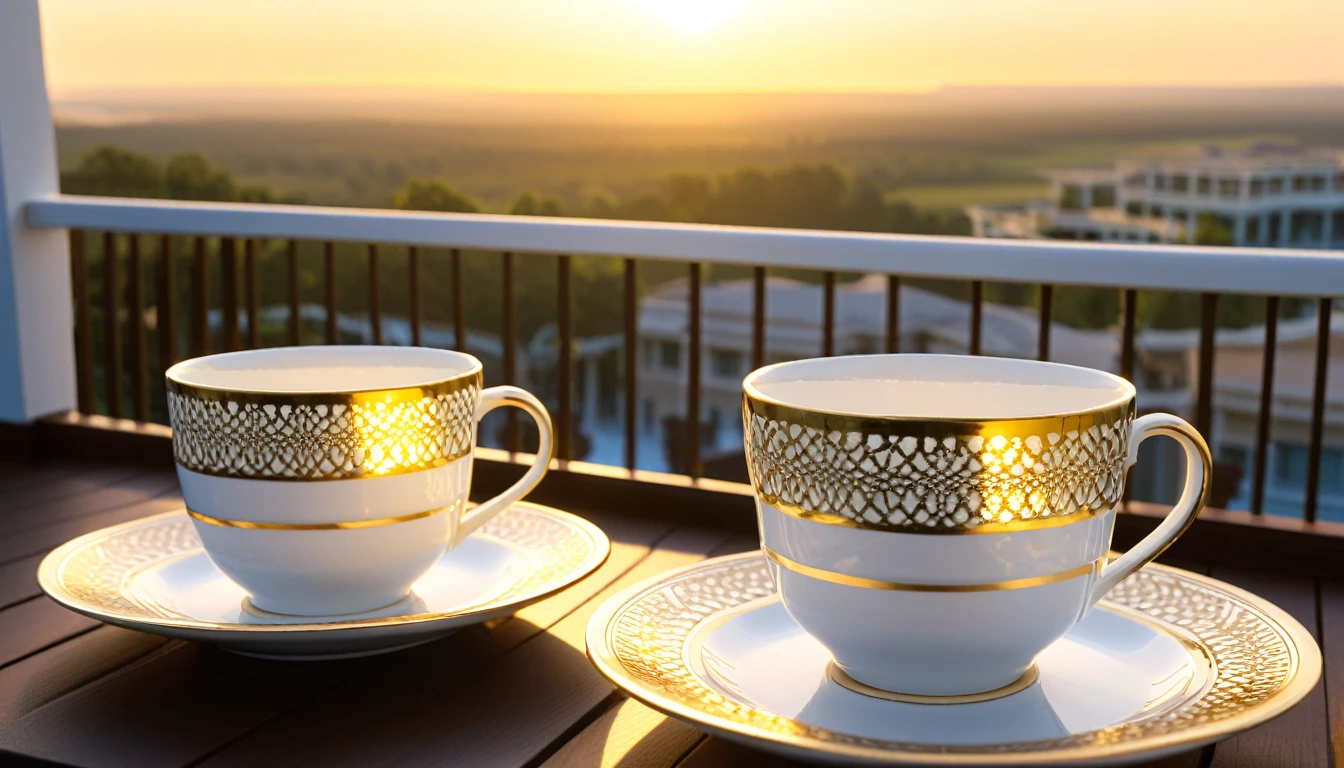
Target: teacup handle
[1198, 478]
[496, 397]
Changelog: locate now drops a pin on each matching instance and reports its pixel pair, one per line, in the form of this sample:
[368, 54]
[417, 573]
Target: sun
[693, 16]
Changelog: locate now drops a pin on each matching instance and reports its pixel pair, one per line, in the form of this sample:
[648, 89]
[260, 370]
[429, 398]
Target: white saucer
[152, 575]
[1169, 661]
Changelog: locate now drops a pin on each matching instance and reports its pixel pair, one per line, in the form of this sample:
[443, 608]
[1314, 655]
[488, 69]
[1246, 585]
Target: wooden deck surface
[515, 692]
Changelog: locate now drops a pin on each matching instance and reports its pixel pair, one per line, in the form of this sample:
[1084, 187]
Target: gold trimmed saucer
[1168, 662]
[153, 575]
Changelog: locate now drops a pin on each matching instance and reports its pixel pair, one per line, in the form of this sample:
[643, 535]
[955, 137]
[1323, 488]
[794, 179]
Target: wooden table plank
[18, 580]
[35, 624]
[501, 711]
[42, 678]
[127, 490]
[629, 735]
[37, 540]
[1332, 637]
[67, 483]
[1298, 738]
[121, 719]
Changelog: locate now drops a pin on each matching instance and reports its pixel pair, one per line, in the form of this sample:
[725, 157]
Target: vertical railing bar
[295, 310]
[165, 312]
[1204, 398]
[693, 376]
[139, 347]
[1047, 313]
[828, 314]
[79, 275]
[564, 370]
[758, 318]
[250, 289]
[413, 270]
[200, 291]
[111, 326]
[893, 314]
[510, 350]
[228, 259]
[375, 299]
[631, 361]
[1318, 393]
[329, 259]
[977, 314]
[1266, 404]
[1130, 310]
[459, 305]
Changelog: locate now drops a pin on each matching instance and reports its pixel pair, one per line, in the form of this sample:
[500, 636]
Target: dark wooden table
[514, 692]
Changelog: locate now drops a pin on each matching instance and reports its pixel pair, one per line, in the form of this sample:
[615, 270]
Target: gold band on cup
[305, 437]
[930, 476]
[891, 586]
[345, 526]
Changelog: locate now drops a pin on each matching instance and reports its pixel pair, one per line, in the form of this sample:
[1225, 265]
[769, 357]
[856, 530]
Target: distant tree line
[805, 196]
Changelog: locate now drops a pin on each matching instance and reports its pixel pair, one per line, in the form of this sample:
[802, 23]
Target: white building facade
[1265, 195]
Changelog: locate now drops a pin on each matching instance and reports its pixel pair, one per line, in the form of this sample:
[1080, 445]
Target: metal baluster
[893, 314]
[693, 378]
[564, 371]
[631, 361]
[250, 289]
[828, 315]
[229, 268]
[758, 318]
[510, 351]
[977, 315]
[1130, 311]
[112, 326]
[83, 324]
[165, 312]
[375, 303]
[1204, 397]
[329, 257]
[1266, 404]
[1318, 392]
[413, 268]
[295, 310]
[139, 345]
[459, 304]
[1047, 311]
[200, 291]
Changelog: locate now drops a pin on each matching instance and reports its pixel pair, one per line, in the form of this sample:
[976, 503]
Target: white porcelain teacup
[937, 521]
[327, 480]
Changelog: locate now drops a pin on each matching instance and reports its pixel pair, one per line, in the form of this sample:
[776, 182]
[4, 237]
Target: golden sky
[644, 45]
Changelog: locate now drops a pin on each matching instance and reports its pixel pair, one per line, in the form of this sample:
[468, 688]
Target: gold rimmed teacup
[1017, 467]
[326, 480]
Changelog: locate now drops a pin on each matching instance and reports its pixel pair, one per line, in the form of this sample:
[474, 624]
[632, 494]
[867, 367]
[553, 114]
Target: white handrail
[1260, 271]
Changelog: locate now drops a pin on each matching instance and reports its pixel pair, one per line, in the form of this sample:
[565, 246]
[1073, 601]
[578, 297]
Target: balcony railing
[200, 233]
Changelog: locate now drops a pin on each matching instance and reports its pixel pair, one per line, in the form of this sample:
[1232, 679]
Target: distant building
[1266, 195]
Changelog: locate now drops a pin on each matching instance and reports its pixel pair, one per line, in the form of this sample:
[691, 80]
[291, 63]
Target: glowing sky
[691, 45]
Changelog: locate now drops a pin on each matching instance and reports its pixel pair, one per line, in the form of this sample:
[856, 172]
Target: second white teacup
[937, 521]
[327, 480]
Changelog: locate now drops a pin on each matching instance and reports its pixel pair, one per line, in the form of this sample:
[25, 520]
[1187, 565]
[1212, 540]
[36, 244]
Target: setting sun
[693, 15]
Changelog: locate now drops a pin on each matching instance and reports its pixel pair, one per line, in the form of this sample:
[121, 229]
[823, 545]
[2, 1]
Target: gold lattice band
[326, 436]
[891, 586]
[939, 477]
[346, 526]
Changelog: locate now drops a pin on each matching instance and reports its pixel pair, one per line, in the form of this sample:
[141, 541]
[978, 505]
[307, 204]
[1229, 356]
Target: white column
[1085, 196]
[37, 360]
[1327, 227]
[1264, 230]
[1239, 231]
[1285, 226]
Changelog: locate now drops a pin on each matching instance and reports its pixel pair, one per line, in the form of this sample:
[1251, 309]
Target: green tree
[527, 204]
[113, 171]
[1212, 230]
[433, 195]
[190, 176]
